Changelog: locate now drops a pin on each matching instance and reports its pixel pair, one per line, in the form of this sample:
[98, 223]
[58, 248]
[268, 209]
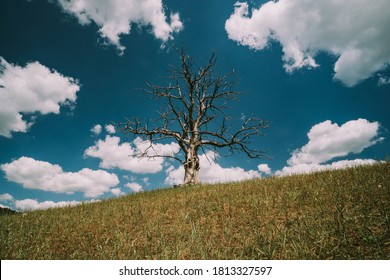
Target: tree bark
[191, 167]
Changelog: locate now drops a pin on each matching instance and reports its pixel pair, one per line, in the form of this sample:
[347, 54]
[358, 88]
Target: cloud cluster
[29, 90]
[4, 206]
[264, 168]
[117, 192]
[135, 187]
[41, 175]
[6, 197]
[32, 204]
[355, 31]
[303, 168]
[114, 154]
[211, 172]
[383, 80]
[110, 129]
[115, 17]
[97, 129]
[327, 141]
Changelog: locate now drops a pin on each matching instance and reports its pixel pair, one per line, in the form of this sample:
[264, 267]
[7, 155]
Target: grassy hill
[342, 214]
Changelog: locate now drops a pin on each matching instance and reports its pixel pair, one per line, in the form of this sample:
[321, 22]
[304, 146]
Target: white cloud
[124, 156]
[31, 89]
[110, 129]
[6, 197]
[305, 168]
[145, 180]
[175, 176]
[32, 204]
[117, 192]
[383, 80]
[135, 187]
[328, 140]
[211, 172]
[115, 17]
[35, 174]
[264, 168]
[97, 129]
[4, 206]
[355, 31]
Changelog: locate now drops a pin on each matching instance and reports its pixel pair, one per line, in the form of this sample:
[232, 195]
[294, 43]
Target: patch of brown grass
[340, 214]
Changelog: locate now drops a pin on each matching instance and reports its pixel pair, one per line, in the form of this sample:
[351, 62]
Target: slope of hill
[340, 214]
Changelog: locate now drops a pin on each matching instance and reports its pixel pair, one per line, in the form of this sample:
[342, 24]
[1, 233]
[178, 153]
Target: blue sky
[317, 70]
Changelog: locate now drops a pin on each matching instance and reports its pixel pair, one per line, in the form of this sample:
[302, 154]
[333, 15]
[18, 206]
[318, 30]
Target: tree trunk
[191, 168]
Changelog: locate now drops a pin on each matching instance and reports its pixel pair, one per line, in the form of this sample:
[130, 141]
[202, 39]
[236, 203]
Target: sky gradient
[318, 71]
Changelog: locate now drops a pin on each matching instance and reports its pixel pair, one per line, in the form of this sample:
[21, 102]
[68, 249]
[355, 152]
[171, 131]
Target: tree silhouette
[195, 118]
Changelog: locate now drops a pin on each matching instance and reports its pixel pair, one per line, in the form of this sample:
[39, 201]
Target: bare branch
[195, 117]
[239, 141]
[145, 154]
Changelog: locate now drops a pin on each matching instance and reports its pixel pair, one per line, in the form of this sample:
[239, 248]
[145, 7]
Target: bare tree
[195, 117]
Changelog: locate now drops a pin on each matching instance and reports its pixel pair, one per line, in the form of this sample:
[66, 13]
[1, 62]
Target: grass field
[342, 214]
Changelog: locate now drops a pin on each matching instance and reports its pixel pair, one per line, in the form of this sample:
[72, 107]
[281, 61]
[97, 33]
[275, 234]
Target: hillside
[340, 214]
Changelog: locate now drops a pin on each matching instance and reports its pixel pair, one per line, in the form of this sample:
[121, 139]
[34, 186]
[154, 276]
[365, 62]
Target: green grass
[340, 214]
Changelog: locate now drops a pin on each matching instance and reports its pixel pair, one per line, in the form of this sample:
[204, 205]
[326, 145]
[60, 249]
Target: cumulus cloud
[211, 172]
[328, 140]
[135, 187]
[355, 31]
[383, 80]
[97, 129]
[41, 175]
[264, 168]
[115, 17]
[114, 154]
[110, 129]
[30, 90]
[32, 204]
[6, 197]
[305, 168]
[145, 180]
[4, 206]
[117, 192]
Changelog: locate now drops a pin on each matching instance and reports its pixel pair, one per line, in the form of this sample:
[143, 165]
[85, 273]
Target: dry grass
[329, 215]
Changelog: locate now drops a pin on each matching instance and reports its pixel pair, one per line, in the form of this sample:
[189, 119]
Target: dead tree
[195, 118]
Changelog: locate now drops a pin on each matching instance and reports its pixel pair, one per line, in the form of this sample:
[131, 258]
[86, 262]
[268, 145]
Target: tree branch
[195, 115]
